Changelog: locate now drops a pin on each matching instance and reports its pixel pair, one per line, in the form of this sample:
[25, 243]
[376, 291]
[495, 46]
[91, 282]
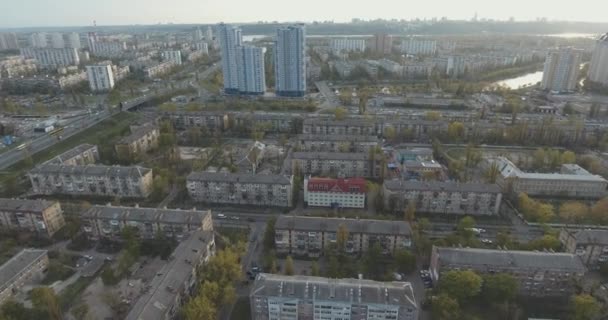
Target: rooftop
[411, 185]
[175, 216]
[170, 279]
[137, 134]
[509, 170]
[70, 153]
[343, 290]
[92, 170]
[337, 137]
[24, 205]
[510, 258]
[352, 225]
[329, 156]
[17, 264]
[591, 236]
[240, 178]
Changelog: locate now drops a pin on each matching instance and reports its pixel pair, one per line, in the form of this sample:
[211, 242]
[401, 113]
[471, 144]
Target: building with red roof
[336, 193]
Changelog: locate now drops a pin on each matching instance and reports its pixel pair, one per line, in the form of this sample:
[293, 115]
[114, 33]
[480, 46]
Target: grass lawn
[241, 309]
[71, 293]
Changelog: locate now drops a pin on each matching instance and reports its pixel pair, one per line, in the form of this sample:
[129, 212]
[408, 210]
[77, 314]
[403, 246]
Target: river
[521, 81]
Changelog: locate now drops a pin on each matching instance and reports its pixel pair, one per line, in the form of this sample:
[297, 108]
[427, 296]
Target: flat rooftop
[21, 261]
[137, 134]
[92, 170]
[71, 153]
[24, 205]
[411, 185]
[337, 137]
[175, 216]
[242, 178]
[510, 258]
[330, 156]
[352, 225]
[357, 291]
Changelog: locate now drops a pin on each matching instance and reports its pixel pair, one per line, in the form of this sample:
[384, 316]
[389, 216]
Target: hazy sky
[25, 13]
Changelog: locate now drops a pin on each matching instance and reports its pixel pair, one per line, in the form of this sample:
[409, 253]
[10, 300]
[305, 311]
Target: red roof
[354, 185]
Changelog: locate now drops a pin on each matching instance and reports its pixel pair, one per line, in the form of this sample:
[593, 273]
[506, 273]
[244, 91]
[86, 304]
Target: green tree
[445, 307]
[314, 269]
[200, 308]
[12, 310]
[289, 269]
[333, 267]
[432, 115]
[269, 234]
[456, 131]
[585, 307]
[341, 237]
[44, 298]
[491, 173]
[465, 227]
[340, 113]
[568, 157]
[499, 287]
[461, 285]
[410, 212]
[573, 211]
[405, 261]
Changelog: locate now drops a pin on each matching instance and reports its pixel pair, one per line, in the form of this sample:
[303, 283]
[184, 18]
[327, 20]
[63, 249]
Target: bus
[21, 146]
[56, 131]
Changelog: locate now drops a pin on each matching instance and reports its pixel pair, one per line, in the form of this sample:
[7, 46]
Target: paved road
[331, 100]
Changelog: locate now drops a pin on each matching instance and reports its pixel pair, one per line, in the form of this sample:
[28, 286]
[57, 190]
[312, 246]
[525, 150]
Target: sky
[34, 13]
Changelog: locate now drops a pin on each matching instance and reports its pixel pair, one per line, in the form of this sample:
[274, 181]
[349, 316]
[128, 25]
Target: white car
[221, 216]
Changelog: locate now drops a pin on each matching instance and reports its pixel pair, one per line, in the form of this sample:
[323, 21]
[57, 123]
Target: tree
[461, 285]
[44, 298]
[314, 269]
[456, 130]
[405, 261]
[341, 237]
[200, 308]
[585, 307]
[499, 287]
[340, 113]
[599, 211]
[492, 173]
[432, 115]
[333, 267]
[445, 307]
[545, 242]
[465, 227]
[410, 212]
[538, 159]
[269, 234]
[390, 133]
[573, 211]
[289, 269]
[568, 157]
[12, 310]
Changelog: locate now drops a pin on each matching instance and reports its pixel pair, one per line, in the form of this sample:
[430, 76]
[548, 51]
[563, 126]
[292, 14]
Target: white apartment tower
[38, 40]
[73, 40]
[197, 35]
[8, 40]
[174, 56]
[101, 77]
[289, 61]
[598, 69]
[57, 41]
[562, 66]
[250, 67]
[419, 46]
[348, 45]
[209, 34]
[230, 38]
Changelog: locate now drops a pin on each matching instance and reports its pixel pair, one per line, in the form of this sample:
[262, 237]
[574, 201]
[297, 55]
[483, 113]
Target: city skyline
[36, 13]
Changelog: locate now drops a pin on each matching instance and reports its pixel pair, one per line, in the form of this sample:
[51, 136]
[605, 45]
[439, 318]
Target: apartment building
[310, 298]
[590, 245]
[174, 56]
[309, 236]
[340, 127]
[141, 140]
[101, 77]
[80, 155]
[348, 45]
[443, 197]
[416, 46]
[38, 40]
[271, 122]
[159, 69]
[289, 61]
[39, 216]
[91, 180]
[8, 41]
[241, 189]
[210, 120]
[381, 43]
[336, 143]
[250, 67]
[176, 281]
[52, 57]
[571, 182]
[335, 193]
[229, 38]
[598, 68]
[109, 221]
[335, 164]
[107, 49]
[201, 46]
[25, 266]
[562, 66]
[540, 274]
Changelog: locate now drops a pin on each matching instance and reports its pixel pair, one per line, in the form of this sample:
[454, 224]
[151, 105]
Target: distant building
[101, 77]
[172, 286]
[210, 120]
[109, 221]
[572, 182]
[347, 45]
[416, 46]
[201, 46]
[39, 216]
[197, 35]
[241, 189]
[590, 245]
[174, 56]
[57, 40]
[99, 47]
[382, 43]
[336, 143]
[53, 58]
[25, 266]
[250, 68]
[443, 197]
[339, 127]
[8, 41]
[209, 34]
[338, 193]
[309, 298]
[80, 155]
[289, 61]
[539, 274]
[598, 68]
[230, 38]
[91, 180]
[73, 41]
[140, 141]
[38, 40]
[335, 164]
[310, 236]
[561, 70]
[159, 69]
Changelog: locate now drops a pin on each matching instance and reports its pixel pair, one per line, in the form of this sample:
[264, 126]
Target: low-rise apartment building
[443, 197]
[336, 143]
[335, 193]
[540, 274]
[91, 180]
[283, 297]
[309, 236]
[335, 164]
[571, 182]
[241, 188]
[590, 245]
[25, 266]
[39, 216]
[176, 281]
[141, 140]
[159, 69]
[270, 122]
[109, 221]
[210, 120]
[78, 156]
[341, 127]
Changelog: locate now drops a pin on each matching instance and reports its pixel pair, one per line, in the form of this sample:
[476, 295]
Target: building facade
[73, 41]
[250, 68]
[109, 221]
[335, 164]
[279, 297]
[598, 68]
[80, 155]
[140, 141]
[590, 245]
[348, 45]
[419, 46]
[25, 266]
[540, 274]
[174, 56]
[382, 43]
[230, 38]
[91, 180]
[339, 127]
[336, 143]
[210, 120]
[310, 236]
[101, 77]
[443, 197]
[159, 69]
[241, 189]
[562, 66]
[52, 57]
[289, 61]
[8, 41]
[336, 193]
[39, 216]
